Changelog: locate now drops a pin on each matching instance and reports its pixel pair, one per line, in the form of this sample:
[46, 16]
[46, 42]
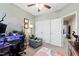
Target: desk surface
[5, 45]
[13, 42]
[10, 38]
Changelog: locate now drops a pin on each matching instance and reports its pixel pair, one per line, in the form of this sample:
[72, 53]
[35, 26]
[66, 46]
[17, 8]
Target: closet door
[43, 30]
[56, 32]
[38, 29]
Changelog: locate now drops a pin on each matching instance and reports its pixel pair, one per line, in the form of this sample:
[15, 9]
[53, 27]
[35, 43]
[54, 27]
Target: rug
[43, 52]
[48, 52]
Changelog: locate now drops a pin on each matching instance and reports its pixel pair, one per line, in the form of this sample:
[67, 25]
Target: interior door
[56, 32]
[43, 30]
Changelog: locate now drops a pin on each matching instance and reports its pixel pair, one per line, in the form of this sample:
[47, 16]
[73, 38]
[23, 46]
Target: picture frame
[26, 23]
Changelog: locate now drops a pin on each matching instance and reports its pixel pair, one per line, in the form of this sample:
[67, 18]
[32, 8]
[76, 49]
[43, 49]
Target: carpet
[43, 52]
[48, 52]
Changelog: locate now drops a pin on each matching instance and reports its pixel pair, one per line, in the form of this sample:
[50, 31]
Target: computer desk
[10, 45]
[5, 48]
[2, 46]
[15, 48]
[10, 48]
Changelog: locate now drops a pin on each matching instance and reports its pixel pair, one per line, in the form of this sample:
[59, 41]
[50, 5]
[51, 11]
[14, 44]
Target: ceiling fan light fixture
[37, 5]
[40, 6]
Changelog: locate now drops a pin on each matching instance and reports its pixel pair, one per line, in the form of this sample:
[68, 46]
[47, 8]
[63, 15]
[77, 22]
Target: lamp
[31, 26]
[39, 6]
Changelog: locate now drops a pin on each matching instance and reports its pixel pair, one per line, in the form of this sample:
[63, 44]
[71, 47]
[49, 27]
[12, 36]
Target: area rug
[43, 52]
[48, 52]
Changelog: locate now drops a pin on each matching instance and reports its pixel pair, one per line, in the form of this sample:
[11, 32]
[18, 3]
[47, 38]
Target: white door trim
[75, 12]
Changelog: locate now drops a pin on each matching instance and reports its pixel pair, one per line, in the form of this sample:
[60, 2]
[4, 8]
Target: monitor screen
[1, 41]
[2, 28]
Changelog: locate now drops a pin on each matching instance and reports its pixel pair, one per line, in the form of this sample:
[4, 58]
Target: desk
[15, 48]
[15, 37]
[5, 48]
[11, 48]
[13, 44]
[2, 46]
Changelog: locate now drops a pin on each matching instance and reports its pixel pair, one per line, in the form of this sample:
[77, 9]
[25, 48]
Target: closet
[43, 30]
[50, 31]
[56, 32]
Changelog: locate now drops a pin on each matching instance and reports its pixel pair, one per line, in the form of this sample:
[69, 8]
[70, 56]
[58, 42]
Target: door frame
[69, 14]
[75, 12]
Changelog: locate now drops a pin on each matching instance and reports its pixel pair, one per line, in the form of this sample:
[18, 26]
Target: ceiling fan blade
[30, 5]
[47, 6]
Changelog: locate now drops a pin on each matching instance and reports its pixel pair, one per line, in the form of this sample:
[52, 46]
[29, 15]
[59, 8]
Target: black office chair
[22, 46]
[76, 36]
[4, 51]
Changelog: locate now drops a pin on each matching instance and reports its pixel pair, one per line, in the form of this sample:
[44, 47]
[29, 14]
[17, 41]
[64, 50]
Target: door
[69, 32]
[56, 32]
[38, 29]
[43, 30]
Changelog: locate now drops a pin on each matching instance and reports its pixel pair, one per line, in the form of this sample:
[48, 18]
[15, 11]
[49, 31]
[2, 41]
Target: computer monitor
[1, 40]
[2, 28]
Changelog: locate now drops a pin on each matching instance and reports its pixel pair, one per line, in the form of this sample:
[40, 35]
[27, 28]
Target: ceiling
[34, 11]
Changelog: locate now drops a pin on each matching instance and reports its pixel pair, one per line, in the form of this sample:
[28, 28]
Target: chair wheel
[24, 52]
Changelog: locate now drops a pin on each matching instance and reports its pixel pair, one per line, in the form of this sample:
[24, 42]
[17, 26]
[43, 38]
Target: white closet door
[56, 32]
[38, 29]
[43, 30]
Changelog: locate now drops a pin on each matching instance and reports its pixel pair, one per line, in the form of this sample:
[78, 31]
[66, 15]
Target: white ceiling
[34, 11]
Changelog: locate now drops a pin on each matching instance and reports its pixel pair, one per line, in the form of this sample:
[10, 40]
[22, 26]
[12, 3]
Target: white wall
[14, 17]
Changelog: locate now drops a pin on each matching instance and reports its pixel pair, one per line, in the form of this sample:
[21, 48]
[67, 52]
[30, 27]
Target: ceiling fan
[39, 6]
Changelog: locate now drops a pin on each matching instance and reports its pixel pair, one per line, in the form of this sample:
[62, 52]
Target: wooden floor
[31, 51]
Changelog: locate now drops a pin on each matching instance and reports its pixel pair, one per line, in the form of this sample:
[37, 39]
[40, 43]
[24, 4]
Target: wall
[14, 16]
